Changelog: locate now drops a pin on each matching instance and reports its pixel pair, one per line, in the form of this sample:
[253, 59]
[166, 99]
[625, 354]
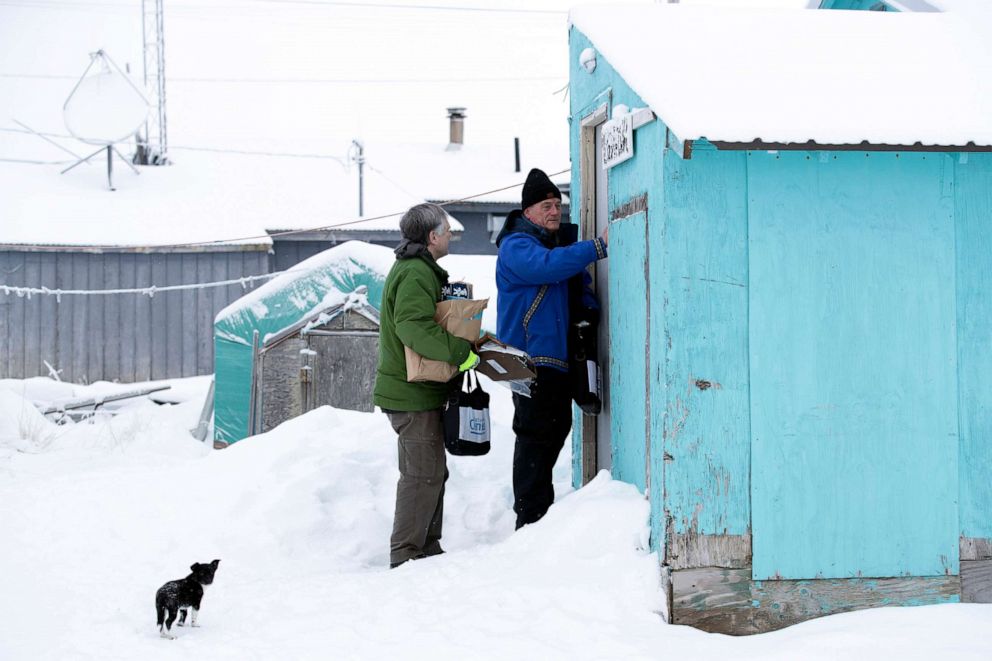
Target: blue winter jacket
[532, 279]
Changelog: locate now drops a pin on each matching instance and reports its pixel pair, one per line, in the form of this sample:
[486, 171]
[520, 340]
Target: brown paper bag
[460, 317]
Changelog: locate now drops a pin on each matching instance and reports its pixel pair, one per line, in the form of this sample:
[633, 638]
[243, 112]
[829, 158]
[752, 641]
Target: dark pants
[541, 422]
[420, 491]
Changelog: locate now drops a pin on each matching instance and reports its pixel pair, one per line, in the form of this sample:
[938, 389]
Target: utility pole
[153, 145]
[359, 157]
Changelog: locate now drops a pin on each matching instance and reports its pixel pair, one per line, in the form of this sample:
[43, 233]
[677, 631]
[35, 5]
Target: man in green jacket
[409, 299]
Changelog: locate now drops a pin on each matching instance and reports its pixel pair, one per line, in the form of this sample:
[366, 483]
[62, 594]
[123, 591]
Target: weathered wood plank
[976, 581]
[688, 550]
[976, 548]
[345, 370]
[280, 387]
[728, 601]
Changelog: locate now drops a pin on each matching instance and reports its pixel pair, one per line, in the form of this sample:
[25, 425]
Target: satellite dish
[104, 108]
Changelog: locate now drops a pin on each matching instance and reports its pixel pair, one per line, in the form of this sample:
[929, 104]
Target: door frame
[588, 168]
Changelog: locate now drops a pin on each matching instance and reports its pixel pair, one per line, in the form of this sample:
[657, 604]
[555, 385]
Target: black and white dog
[177, 597]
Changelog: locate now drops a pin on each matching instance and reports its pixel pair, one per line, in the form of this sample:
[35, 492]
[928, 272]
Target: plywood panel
[973, 217]
[853, 365]
[703, 298]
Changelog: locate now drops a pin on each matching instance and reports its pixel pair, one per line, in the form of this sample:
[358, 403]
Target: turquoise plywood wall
[628, 319]
[853, 365]
[702, 291]
[973, 216]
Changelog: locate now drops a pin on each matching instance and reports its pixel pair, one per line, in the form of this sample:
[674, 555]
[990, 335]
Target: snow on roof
[794, 75]
[202, 197]
[313, 285]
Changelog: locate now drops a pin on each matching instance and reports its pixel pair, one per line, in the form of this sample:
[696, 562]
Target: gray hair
[420, 220]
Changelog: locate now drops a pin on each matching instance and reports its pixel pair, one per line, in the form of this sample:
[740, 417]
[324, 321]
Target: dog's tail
[161, 615]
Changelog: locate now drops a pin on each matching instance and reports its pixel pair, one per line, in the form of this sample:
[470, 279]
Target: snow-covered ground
[96, 516]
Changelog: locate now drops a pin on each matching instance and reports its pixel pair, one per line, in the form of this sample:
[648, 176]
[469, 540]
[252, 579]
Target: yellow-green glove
[470, 362]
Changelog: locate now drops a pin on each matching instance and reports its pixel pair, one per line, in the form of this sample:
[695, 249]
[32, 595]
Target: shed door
[853, 365]
[344, 369]
[628, 333]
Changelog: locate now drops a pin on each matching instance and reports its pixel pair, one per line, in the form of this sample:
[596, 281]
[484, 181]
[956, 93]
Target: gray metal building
[120, 337]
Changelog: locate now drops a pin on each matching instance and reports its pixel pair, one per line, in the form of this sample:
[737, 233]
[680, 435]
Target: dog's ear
[215, 563]
[193, 566]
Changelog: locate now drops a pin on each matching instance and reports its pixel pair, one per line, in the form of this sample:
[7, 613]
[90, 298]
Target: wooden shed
[326, 358]
[800, 214]
[307, 338]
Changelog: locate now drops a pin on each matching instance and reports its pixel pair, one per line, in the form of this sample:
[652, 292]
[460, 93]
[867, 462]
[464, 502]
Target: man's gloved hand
[470, 362]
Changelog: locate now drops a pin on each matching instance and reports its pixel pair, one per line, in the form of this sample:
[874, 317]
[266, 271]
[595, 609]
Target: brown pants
[420, 491]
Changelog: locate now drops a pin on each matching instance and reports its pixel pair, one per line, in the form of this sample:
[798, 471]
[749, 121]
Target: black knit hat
[538, 188]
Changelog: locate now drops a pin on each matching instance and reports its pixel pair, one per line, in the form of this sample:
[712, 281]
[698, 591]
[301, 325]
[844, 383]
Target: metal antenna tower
[153, 146]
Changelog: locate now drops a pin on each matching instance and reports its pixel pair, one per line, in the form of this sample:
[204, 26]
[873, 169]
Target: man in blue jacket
[532, 274]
